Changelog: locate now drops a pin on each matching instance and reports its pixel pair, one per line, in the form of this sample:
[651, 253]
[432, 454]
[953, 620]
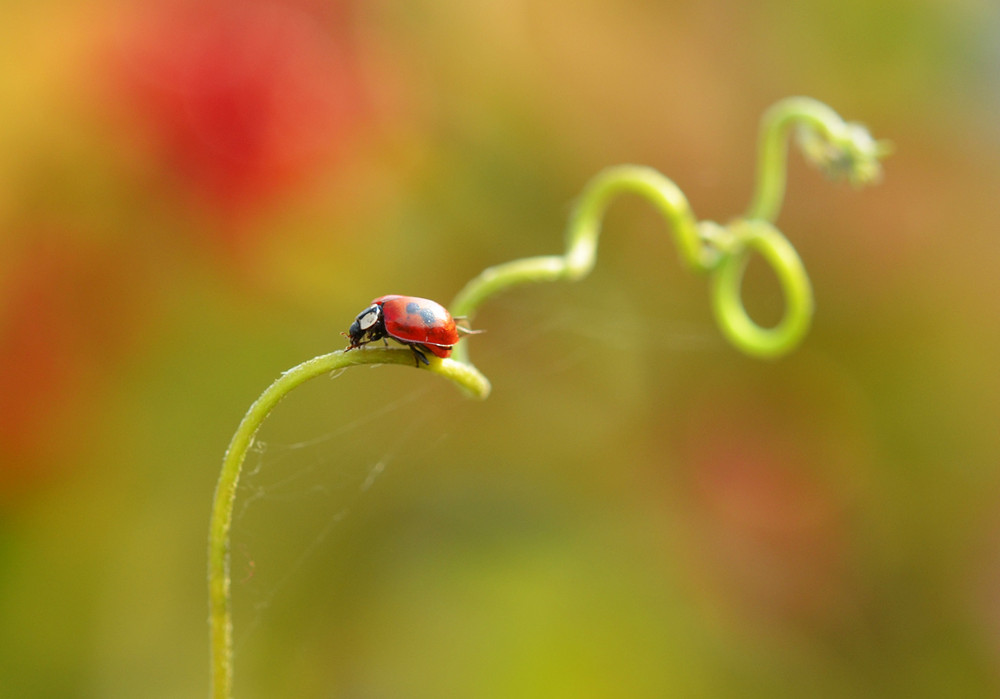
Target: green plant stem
[583, 232]
[465, 376]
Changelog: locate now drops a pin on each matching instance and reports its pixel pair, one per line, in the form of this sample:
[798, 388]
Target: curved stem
[582, 234]
[464, 376]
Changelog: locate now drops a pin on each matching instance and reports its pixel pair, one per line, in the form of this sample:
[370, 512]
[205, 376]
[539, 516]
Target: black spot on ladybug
[426, 314]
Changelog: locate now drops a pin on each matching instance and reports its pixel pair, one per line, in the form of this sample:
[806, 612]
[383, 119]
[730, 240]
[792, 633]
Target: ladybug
[421, 324]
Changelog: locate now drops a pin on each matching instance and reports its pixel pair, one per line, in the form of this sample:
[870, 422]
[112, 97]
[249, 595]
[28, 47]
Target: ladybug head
[367, 326]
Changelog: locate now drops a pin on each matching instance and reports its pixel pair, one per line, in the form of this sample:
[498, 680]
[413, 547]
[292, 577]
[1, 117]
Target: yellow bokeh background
[196, 197]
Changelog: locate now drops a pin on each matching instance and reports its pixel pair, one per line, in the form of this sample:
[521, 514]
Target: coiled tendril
[838, 148]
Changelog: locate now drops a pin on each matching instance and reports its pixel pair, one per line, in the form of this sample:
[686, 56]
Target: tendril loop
[750, 236]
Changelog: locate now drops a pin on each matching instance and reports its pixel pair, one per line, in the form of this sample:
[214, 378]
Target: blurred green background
[195, 197]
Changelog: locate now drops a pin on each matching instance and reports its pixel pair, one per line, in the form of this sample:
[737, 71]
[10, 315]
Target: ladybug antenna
[461, 324]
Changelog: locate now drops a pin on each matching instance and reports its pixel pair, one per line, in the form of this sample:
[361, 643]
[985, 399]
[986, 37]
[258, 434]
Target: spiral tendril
[838, 148]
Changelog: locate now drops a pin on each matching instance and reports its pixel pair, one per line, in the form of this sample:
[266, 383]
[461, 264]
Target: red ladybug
[421, 324]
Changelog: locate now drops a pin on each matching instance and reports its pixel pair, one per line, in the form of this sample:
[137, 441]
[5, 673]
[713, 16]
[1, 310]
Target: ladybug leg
[419, 356]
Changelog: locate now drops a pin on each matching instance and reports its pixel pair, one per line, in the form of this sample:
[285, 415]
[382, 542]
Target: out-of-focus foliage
[195, 197]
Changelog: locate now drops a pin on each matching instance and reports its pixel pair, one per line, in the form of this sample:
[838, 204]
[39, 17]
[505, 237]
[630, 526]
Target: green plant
[838, 148]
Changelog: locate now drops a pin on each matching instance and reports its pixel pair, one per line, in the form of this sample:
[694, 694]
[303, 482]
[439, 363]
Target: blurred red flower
[244, 100]
[69, 311]
[773, 516]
